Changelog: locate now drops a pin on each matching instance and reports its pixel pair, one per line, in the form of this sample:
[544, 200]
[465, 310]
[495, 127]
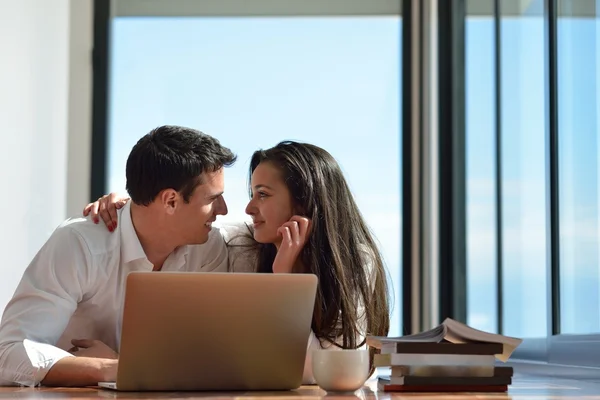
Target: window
[480, 124]
[578, 63]
[329, 73]
[251, 82]
[523, 131]
[547, 231]
[506, 174]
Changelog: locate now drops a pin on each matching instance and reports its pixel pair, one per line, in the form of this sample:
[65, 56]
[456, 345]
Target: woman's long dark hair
[341, 250]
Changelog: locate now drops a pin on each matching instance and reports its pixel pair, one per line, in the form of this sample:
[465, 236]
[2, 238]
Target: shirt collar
[131, 248]
[178, 257]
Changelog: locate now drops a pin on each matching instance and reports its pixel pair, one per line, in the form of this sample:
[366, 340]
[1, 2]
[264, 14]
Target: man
[62, 326]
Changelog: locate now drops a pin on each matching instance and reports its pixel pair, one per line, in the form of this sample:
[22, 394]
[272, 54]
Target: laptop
[214, 331]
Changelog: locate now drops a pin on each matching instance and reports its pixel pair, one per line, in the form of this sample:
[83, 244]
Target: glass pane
[481, 166]
[523, 169]
[578, 57]
[252, 82]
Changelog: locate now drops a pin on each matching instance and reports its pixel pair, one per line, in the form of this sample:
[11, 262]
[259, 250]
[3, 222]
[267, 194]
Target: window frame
[242, 8]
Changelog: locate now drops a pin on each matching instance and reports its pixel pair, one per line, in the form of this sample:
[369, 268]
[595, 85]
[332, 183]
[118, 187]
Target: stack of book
[451, 357]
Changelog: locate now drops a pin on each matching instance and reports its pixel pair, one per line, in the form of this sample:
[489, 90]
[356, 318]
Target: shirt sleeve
[43, 303]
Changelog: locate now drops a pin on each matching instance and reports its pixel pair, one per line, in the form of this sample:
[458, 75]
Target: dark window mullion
[498, 128]
[452, 154]
[100, 65]
[407, 161]
[553, 251]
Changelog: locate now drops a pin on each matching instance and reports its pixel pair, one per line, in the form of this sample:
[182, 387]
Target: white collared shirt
[74, 288]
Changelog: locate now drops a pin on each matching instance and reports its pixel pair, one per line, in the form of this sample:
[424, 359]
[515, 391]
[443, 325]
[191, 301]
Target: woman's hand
[294, 235]
[107, 207]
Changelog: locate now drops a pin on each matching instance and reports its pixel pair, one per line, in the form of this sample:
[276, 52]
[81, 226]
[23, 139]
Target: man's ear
[169, 199]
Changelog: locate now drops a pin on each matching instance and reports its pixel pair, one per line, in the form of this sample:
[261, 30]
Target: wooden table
[523, 388]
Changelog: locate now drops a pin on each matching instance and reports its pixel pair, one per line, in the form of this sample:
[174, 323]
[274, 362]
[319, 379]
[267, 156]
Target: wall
[45, 74]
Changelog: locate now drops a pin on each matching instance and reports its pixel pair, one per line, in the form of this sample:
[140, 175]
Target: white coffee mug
[340, 370]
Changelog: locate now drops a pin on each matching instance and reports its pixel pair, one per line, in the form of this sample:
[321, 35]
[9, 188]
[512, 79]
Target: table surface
[523, 388]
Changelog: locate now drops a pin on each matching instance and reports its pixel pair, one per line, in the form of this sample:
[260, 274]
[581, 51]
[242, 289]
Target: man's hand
[295, 234]
[92, 348]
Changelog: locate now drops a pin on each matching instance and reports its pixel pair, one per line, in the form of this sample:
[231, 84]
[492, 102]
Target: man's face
[194, 219]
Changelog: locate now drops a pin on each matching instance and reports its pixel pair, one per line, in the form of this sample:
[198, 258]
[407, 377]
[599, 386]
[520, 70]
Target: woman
[305, 220]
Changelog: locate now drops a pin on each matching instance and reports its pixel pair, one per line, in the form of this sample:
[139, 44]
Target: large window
[480, 118]
[506, 180]
[533, 189]
[523, 172]
[578, 66]
[251, 82]
[329, 73]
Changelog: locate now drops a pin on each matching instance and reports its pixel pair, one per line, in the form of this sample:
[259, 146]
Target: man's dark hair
[172, 157]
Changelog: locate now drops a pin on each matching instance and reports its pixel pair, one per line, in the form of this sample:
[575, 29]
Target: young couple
[62, 326]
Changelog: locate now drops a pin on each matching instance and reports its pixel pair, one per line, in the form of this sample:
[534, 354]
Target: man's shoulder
[96, 237]
[75, 223]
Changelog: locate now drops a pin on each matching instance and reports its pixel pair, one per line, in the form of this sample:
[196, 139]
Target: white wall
[80, 105]
[45, 92]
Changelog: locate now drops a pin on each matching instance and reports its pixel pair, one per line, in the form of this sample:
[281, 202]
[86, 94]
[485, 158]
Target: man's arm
[57, 279]
[81, 371]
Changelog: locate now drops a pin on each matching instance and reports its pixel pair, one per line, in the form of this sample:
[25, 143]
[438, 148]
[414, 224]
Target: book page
[460, 333]
[434, 335]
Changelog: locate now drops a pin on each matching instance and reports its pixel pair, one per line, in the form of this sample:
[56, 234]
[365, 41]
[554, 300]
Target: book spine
[437, 348]
[387, 360]
[452, 381]
[444, 388]
[440, 371]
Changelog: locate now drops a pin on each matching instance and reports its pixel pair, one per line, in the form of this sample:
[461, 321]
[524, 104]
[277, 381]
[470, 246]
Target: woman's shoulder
[241, 246]
[235, 230]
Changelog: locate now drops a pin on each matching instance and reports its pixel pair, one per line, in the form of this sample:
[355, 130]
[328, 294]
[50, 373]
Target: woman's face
[271, 203]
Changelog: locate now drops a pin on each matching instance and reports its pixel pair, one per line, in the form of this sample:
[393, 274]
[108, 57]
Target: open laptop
[214, 331]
